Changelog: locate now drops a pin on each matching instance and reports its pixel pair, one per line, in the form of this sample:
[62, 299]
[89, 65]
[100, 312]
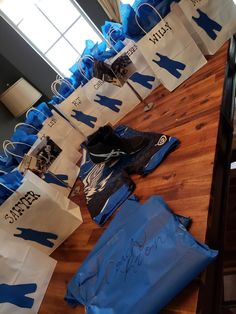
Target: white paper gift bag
[109, 102]
[24, 277]
[62, 174]
[61, 171]
[170, 51]
[210, 22]
[36, 216]
[79, 111]
[112, 102]
[143, 80]
[61, 132]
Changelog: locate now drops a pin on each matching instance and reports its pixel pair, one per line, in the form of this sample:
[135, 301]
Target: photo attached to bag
[117, 73]
[123, 68]
[41, 156]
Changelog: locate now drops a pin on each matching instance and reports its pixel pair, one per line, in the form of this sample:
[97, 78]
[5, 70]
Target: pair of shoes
[104, 145]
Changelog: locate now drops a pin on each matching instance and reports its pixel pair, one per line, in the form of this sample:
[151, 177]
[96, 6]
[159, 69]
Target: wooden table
[190, 113]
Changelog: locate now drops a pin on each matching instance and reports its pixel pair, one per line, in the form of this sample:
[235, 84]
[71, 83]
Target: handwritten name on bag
[21, 206]
[157, 36]
[51, 122]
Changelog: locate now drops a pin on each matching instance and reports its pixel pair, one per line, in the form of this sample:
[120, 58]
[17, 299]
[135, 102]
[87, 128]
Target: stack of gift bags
[36, 215]
[166, 40]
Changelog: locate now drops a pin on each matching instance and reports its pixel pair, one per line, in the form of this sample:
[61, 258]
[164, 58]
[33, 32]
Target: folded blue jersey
[105, 189]
[149, 255]
[107, 186]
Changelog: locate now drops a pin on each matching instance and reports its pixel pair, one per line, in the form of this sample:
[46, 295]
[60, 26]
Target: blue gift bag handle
[136, 16]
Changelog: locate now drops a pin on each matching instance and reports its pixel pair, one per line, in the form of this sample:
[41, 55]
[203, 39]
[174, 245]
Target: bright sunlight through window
[56, 29]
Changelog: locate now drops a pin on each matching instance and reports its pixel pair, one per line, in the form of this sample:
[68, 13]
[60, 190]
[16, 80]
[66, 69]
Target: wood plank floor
[190, 113]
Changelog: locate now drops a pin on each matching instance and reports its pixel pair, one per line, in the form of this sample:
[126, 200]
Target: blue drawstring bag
[8, 182]
[151, 257]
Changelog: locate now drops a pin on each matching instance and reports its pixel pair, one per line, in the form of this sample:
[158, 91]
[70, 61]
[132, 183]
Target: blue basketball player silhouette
[142, 79]
[40, 237]
[207, 24]
[84, 118]
[172, 66]
[109, 102]
[16, 294]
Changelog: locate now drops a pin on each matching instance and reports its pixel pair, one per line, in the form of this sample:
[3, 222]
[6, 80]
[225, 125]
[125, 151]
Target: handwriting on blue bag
[109, 102]
[40, 237]
[84, 118]
[133, 258]
[207, 24]
[21, 206]
[58, 179]
[172, 66]
[143, 79]
[16, 294]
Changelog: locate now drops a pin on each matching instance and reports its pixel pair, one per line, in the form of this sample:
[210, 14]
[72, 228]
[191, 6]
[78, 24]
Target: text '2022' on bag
[170, 50]
[150, 256]
[24, 278]
[39, 215]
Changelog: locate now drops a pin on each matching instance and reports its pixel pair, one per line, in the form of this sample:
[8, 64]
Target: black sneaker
[104, 145]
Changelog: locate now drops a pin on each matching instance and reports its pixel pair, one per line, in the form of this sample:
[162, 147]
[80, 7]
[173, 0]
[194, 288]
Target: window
[128, 1]
[56, 29]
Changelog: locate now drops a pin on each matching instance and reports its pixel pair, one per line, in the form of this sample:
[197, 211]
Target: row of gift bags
[34, 206]
[36, 215]
[169, 53]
